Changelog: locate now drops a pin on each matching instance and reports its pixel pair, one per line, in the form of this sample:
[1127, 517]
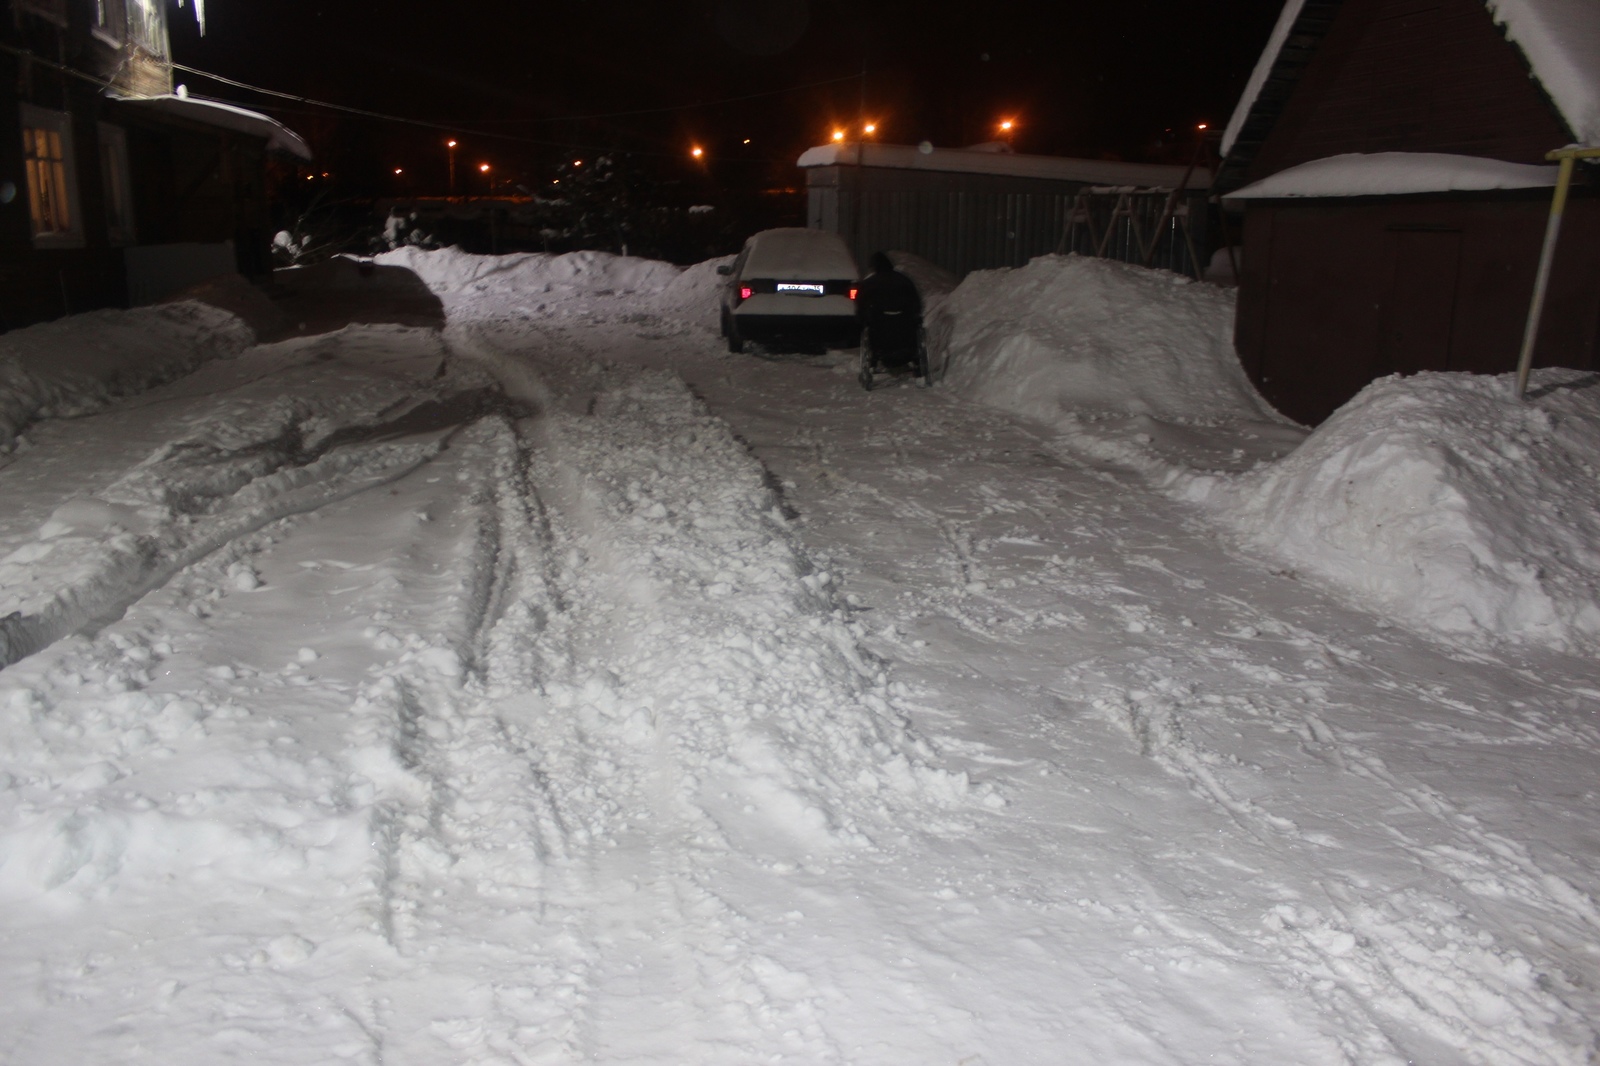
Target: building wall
[962, 222]
[191, 183]
[1337, 293]
[1414, 76]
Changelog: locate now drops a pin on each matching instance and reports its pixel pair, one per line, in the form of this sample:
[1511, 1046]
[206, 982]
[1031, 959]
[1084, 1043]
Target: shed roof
[225, 116]
[985, 160]
[1559, 38]
[1395, 174]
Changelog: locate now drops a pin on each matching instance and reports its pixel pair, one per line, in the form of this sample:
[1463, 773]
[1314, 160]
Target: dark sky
[1091, 79]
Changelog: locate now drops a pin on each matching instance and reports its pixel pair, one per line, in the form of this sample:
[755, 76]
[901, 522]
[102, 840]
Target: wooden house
[114, 188]
[985, 207]
[1389, 156]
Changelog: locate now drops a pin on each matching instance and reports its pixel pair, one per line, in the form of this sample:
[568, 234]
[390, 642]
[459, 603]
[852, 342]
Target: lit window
[52, 183]
[118, 185]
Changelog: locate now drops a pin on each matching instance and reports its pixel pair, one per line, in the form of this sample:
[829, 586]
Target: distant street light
[870, 128]
[697, 152]
[838, 135]
[397, 170]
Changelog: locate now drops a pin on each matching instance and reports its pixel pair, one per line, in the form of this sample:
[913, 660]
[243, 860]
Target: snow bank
[1446, 503]
[1069, 335]
[76, 364]
[452, 272]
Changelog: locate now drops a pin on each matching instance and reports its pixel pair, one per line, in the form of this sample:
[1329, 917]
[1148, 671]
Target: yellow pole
[1541, 282]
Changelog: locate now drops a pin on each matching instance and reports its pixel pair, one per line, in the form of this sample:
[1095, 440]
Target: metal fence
[966, 222]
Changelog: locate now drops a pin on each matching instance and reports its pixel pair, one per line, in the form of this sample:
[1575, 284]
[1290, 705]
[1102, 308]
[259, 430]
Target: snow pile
[1067, 336]
[696, 293]
[76, 364]
[1446, 503]
[450, 272]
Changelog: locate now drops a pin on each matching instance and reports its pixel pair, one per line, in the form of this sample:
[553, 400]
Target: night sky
[1097, 80]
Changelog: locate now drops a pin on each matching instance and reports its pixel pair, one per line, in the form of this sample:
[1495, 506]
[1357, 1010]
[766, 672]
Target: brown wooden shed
[1389, 156]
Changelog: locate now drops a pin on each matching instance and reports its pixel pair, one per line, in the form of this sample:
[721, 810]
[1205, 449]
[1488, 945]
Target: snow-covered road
[563, 689]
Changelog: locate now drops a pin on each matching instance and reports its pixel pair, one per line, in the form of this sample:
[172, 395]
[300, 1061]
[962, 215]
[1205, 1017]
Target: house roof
[985, 160]
[225, 116]
[1395, 174]
[1559, 38]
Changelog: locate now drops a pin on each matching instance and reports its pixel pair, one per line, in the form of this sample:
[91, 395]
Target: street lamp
[870, 128]
[838, 136]
[697, 152]
[450, 146]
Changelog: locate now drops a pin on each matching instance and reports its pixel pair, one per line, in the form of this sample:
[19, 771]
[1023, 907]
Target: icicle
[199, 14]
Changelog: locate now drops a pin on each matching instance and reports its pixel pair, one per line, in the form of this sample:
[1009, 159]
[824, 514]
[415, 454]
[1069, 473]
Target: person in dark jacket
[891, 311]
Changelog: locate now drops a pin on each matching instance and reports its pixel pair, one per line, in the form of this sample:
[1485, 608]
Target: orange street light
[1202, 126]
[397, 170]
[870, 128]
[697, 152]
[577, 162]
[483, 168]
[838, 135]
[1007, 125]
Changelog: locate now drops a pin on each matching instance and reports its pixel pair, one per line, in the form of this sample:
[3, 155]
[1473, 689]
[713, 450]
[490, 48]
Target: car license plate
[804, 288]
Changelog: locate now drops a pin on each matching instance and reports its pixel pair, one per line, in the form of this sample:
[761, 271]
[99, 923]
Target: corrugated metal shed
[976, 209]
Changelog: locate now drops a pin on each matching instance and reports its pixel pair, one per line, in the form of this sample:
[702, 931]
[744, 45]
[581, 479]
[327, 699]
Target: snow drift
[452, 272]
[77, 364]
[1446, 503]
[1069, 335]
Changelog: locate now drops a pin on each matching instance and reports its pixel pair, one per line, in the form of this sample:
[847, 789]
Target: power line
[460, 127]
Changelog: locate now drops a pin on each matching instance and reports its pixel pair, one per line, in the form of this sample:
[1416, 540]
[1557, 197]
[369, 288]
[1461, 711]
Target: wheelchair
[893, 340]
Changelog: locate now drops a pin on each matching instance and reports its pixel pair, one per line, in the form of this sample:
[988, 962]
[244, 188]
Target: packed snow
[1395, 174]
[557, 687]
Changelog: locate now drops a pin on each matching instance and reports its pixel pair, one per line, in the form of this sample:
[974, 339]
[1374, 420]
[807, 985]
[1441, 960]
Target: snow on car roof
[799, 253]
[1560, 38]
[1394, 174]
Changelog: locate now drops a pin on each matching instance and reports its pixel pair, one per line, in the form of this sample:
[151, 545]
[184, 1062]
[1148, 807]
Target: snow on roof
[983, 160]
[226, 116]
[1560, 38]
[1395, 174]
[1258, 77]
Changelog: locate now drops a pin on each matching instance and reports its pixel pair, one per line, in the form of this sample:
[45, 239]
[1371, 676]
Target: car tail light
[853, 291]
[745, 292]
